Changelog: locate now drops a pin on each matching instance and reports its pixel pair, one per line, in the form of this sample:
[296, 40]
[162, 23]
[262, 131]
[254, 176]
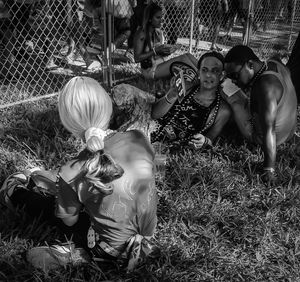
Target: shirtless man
[272, 101]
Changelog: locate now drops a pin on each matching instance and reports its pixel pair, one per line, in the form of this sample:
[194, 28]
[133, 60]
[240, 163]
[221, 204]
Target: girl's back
[131, 208]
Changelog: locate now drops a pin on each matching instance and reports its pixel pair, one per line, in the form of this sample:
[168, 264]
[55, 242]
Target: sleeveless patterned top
[184, 120]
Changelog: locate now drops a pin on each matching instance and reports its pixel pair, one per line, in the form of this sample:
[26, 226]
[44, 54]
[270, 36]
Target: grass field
[216, 220]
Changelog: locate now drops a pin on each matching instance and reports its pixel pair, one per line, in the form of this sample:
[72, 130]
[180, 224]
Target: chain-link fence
[266, 25]
[44, 42]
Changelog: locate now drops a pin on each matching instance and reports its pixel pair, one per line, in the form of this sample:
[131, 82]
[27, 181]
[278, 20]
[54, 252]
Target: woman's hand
[162, 50]
[163, 105]
[172, 94]
[199, 141]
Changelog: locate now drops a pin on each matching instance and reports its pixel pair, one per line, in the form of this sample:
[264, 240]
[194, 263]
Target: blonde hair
[84, 106]
[83, 103]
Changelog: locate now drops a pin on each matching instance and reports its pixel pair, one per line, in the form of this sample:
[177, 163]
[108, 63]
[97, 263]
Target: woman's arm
[164, 104]
[138, 46]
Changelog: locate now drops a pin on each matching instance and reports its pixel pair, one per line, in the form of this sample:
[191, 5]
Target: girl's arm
[68, 205]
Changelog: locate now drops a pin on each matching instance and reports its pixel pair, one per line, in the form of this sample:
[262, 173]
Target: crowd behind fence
[45, 42]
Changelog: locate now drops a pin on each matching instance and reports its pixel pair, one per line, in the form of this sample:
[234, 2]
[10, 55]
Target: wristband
[270, 169]
[167, 100]
[153, 49]
[207, 142]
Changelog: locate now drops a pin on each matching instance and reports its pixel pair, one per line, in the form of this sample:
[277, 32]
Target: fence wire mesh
[221, 24]
[44, 42]
[268, 26]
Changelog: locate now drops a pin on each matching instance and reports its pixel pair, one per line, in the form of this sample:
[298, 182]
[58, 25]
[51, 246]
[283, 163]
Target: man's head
[239, 65]
[210, 68]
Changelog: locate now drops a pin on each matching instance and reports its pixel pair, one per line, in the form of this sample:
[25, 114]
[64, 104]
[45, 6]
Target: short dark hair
[215, 54]
[240, 54]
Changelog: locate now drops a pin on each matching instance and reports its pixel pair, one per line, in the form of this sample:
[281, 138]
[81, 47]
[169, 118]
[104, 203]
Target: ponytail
[99, 167]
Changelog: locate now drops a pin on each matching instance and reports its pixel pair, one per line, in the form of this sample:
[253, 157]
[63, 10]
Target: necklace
[216, 110]
[258, 74]
[198, 99]
[208, 124]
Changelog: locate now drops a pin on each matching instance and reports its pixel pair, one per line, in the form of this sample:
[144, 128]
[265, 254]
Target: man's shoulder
[268, 87]
[271, 82]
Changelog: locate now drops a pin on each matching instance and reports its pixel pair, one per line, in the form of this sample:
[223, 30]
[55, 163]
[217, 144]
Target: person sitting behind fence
[112, 179]
[122, 11]
[150, 50]
[201, 115]
[271, 114]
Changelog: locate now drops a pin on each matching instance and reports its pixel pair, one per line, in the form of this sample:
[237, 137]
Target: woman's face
[210, 72]
[156, 19]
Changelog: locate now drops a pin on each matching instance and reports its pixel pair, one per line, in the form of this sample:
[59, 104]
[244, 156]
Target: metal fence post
[69, 12]
[109, 41]
[105, 41]
[246, 38]
[292, 25]
[192, 26]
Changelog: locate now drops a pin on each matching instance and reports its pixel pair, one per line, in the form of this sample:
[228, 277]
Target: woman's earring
[222, 77]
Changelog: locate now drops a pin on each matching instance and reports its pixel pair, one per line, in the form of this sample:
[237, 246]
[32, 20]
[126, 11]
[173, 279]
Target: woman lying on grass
[111, 180]
[150, 50]
[199, 118]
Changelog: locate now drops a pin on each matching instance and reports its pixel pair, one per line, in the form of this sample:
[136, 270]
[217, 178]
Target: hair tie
[94, 131]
